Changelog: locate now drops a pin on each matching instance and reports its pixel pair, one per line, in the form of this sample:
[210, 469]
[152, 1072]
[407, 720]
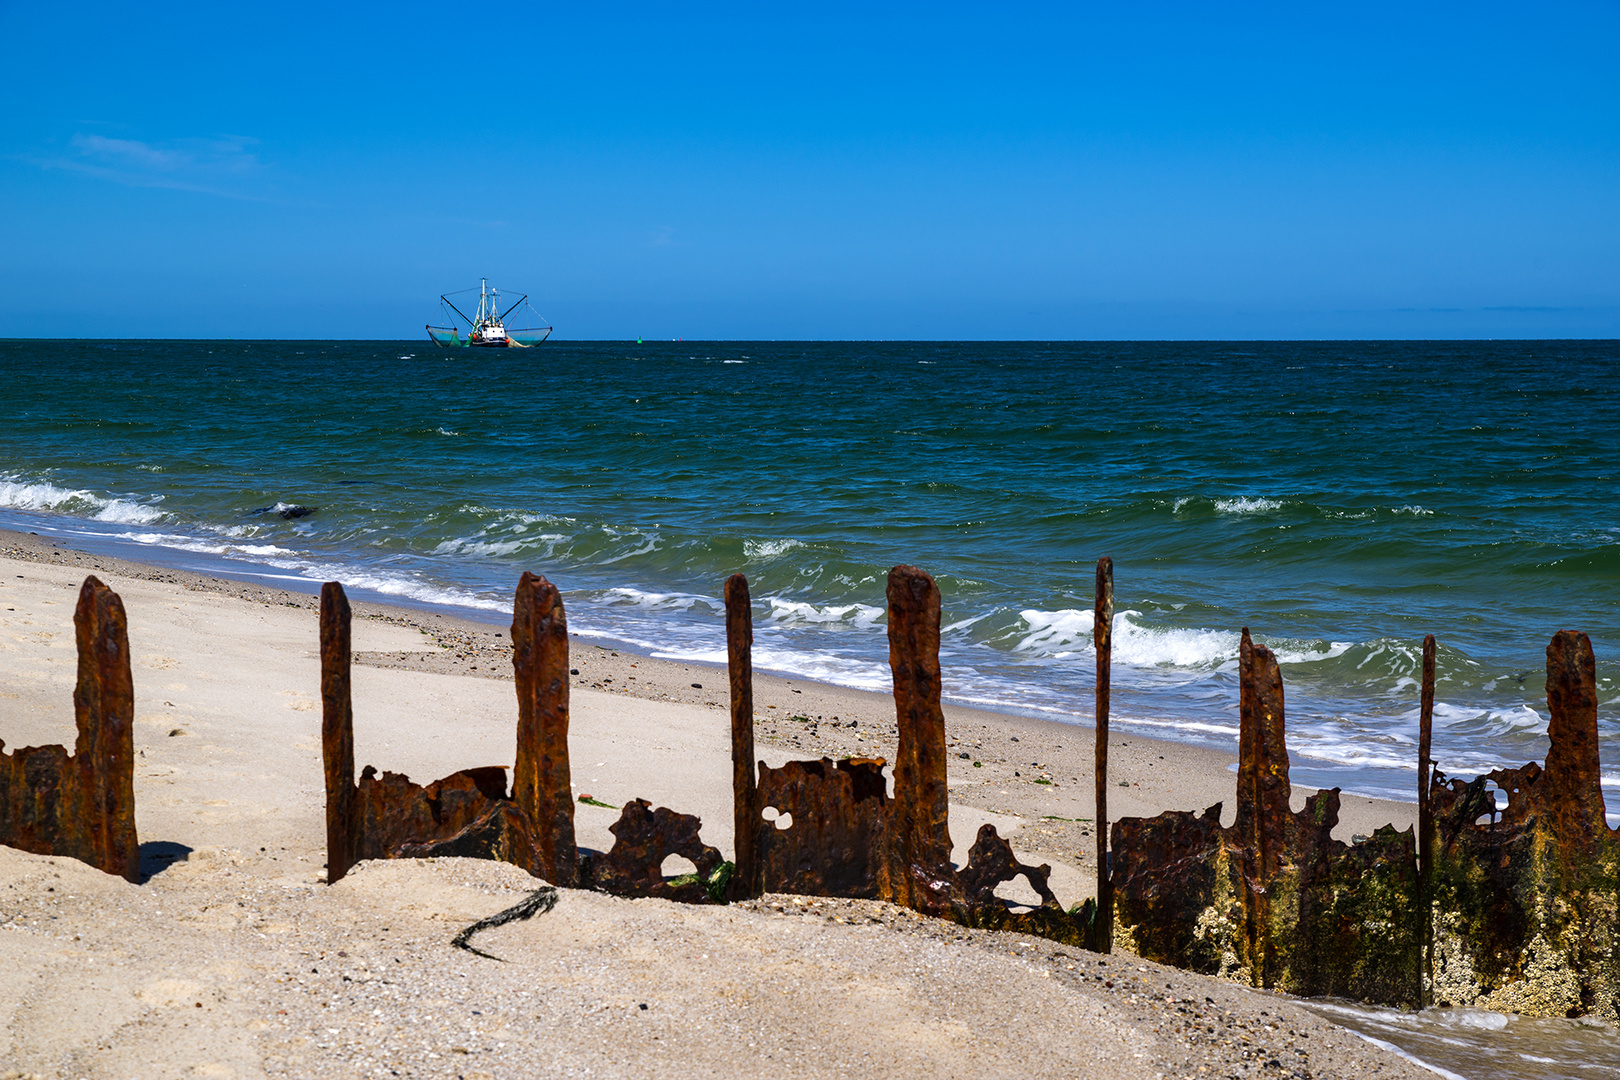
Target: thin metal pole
[744, 791]
[1103, 639]
[1426, 820]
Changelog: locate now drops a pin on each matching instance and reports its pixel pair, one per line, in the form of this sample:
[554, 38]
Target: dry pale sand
[235, 959]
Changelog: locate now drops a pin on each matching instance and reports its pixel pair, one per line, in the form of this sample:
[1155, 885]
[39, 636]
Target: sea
[1339, 499]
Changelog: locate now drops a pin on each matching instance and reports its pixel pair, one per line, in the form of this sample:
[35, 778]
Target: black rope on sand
[538, 902]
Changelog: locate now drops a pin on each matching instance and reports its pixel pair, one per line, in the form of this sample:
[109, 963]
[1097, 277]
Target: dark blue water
[1341, 499]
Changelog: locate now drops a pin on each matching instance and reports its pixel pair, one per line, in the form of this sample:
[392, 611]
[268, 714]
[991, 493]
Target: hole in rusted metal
[777, 818]
[676, 865]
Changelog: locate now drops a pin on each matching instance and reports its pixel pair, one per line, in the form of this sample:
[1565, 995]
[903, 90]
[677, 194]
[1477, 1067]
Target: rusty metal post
[1103, 639]
[1426, 818]
[1573, 772]
[541, 785]
[1263, 792]
[104, 707]
[1244, 827]
[337, 733]
[917, 872]
[748, 881]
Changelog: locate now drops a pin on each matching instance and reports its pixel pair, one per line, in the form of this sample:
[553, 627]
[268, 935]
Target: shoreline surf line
[1361, 751]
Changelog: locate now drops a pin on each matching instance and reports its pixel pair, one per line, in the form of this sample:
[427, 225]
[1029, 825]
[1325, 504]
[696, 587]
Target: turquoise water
[1341, 499]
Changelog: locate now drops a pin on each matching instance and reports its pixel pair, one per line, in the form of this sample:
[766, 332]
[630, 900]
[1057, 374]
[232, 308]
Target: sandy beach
[234, 959]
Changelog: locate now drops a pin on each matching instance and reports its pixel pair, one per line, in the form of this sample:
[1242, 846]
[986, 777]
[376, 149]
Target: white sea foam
[1495, 722]
[1247, 505]
[408, 586]
[1060, 635]
[963, 624]
[302, 567]
[18, 494]
[1065, 634]
[817, 666]
[1385, 1044]
[1243, 504]
[799, 613]
[1290, 652]
[825, 667]
[121, 512]
[1202, 727]
[649, 545]
[209, 547]
[496, 549]
[656, 601]
[524, 517]
[769, 549]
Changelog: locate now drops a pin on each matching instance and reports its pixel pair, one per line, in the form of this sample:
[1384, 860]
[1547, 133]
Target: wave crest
[19, 494]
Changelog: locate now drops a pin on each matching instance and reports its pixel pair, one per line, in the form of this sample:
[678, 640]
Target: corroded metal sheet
[386, 816]
[83, 806]
[470, 813]
[541, 784]
[1524, 896]
[42, 802]
[836, 813]
[394, 815]
[1274, 900]
[1174, 890]
[643, 839]
[991, 862]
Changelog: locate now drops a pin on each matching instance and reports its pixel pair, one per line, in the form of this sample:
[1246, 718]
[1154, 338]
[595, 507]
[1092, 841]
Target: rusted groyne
[1510, 907]
[83, 805]
[1273, 900]
[1524, 897]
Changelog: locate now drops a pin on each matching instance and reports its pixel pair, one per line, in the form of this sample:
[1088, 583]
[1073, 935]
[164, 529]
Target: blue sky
[863, 171]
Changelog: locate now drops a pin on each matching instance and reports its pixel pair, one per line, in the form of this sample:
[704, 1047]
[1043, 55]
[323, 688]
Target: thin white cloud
[213, 166]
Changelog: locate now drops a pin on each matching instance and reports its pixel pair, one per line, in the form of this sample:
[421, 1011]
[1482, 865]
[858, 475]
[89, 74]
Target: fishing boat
[487, 328]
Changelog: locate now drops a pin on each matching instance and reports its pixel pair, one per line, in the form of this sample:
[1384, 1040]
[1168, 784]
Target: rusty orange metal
[83, 805]
[541, 783]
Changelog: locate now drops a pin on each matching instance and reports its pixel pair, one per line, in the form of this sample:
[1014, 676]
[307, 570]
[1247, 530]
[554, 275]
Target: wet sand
[235, 959]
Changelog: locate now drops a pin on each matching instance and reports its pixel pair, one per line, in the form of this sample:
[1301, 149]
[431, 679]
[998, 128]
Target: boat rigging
[487, 328]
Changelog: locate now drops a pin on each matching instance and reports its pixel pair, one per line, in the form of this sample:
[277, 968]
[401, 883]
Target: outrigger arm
[513, 308]
[457, 310]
